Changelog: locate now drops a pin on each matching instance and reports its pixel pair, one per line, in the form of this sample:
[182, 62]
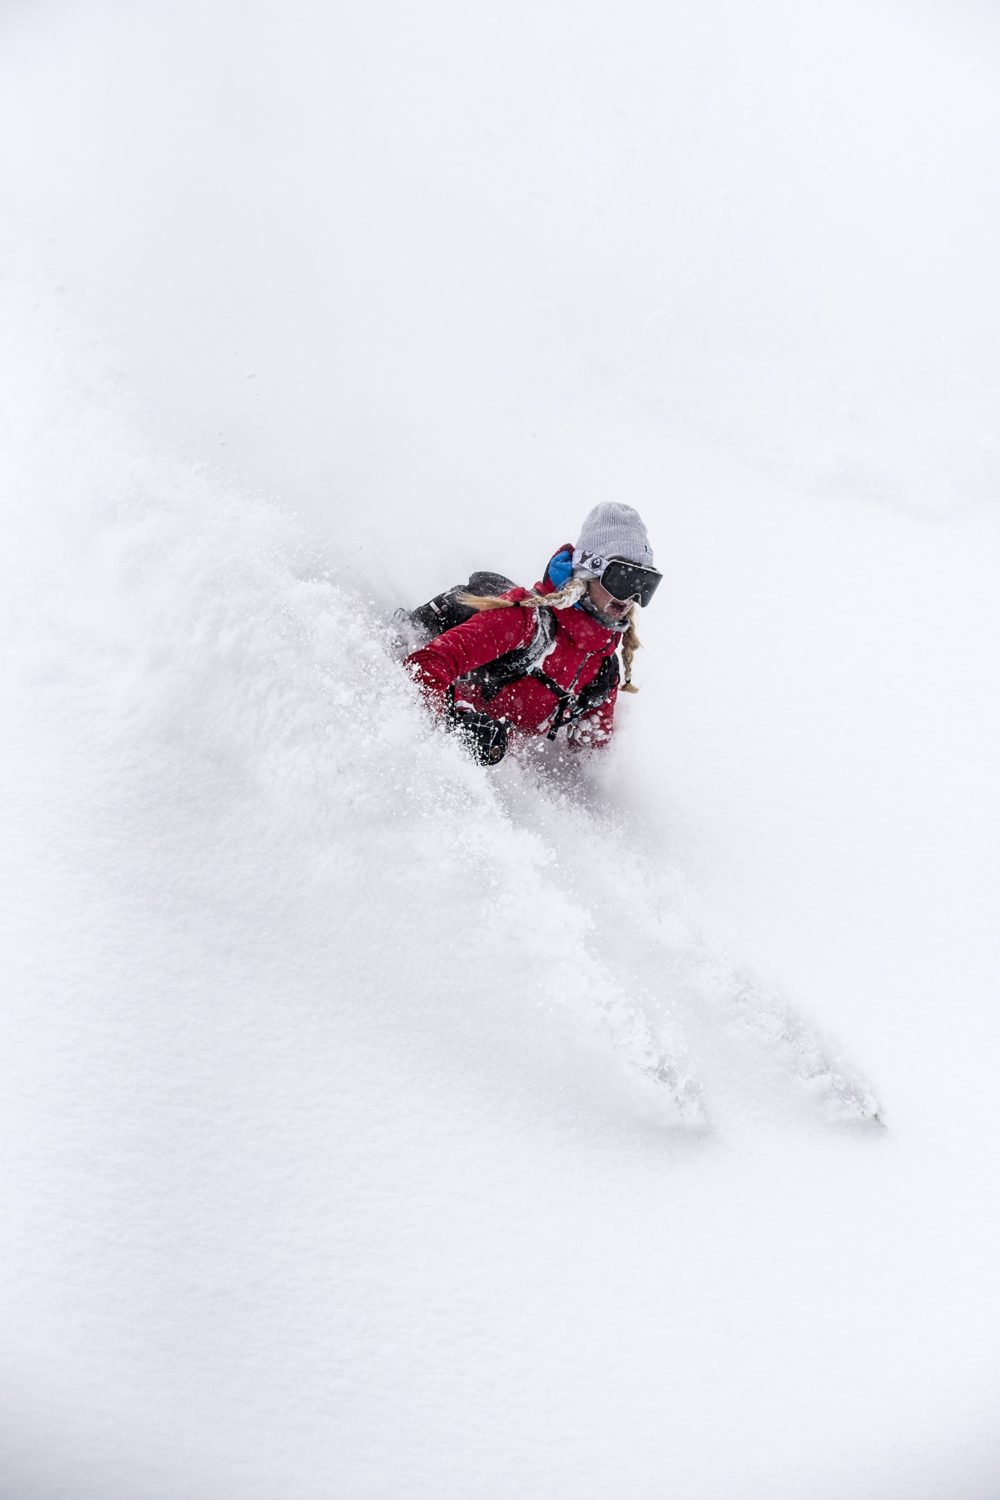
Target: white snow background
[374, 1125]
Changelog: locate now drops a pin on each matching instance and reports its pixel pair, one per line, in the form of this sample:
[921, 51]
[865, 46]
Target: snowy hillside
[374, 1125]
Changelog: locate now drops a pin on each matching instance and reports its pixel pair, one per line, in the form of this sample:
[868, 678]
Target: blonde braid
[564, 598]
[630, 645]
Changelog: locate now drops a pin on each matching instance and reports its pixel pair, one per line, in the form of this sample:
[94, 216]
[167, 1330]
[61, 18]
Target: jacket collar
[586, 633]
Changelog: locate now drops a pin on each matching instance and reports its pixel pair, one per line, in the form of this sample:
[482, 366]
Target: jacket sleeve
[465, 647]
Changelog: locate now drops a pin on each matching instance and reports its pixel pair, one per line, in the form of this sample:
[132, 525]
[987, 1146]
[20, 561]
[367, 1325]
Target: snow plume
[217, 715]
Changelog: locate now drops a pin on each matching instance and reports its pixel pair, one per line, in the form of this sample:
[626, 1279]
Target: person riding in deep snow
[539, 661]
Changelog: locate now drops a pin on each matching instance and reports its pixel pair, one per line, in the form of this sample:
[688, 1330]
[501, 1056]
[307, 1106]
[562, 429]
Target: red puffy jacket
[581, 644]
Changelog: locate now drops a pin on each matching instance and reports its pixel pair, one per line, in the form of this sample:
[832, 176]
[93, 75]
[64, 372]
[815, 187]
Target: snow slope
[332, 1166]
[375, 1126]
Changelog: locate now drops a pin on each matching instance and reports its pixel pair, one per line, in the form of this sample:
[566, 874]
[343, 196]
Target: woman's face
[615, 609]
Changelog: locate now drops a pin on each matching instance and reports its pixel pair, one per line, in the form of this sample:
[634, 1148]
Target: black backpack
[447, 610]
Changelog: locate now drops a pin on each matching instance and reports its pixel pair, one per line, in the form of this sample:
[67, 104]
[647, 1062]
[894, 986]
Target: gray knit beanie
[611, 530]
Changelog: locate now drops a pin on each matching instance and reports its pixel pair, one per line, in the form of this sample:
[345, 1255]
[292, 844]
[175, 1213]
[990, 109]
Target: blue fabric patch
[561, 568]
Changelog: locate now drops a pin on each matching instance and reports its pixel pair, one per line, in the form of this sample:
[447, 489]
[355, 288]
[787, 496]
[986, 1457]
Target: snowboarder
[499, 658]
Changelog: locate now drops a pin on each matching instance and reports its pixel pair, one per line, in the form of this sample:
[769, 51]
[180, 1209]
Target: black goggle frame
[628, 580]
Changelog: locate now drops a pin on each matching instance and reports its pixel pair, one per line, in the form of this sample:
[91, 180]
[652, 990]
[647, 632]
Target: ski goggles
[628, 580]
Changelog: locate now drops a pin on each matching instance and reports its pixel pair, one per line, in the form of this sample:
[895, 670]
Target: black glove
[483, 737]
